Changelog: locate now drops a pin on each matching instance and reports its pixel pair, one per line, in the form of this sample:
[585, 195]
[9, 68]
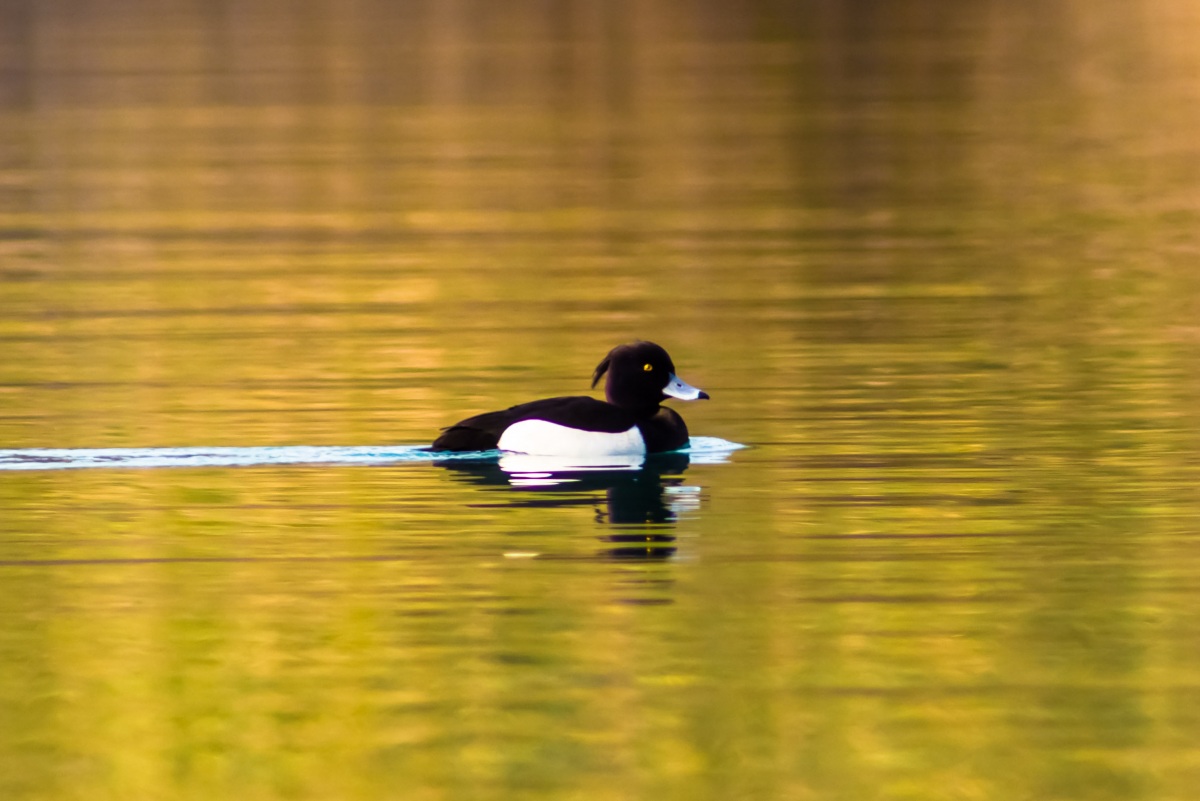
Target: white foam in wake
[703, 450]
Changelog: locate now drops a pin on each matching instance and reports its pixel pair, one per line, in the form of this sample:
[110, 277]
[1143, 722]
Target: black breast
[665, 431]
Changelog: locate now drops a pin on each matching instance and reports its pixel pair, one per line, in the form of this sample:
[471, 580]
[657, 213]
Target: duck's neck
[642, 411]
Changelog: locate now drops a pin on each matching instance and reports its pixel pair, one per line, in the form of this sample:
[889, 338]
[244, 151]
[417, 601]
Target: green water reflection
[937, 266]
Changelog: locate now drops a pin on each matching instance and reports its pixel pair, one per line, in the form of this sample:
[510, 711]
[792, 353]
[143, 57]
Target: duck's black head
[641, 376]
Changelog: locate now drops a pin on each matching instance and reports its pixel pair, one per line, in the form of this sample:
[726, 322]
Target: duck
[631, 419]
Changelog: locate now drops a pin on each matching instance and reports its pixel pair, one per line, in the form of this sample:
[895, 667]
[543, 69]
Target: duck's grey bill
[678, 388]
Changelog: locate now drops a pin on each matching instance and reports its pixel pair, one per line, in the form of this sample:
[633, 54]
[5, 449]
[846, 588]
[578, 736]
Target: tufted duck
[640, 376]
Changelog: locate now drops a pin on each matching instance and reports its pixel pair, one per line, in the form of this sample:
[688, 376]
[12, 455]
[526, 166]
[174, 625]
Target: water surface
[937, 267]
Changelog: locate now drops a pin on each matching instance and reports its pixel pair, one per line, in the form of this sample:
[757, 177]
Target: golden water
[937, 266]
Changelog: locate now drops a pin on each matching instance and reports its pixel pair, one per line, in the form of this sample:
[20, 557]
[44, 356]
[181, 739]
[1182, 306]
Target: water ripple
[703, 450]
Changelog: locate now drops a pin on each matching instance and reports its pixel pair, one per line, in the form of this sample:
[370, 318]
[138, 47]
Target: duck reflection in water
[642, 495]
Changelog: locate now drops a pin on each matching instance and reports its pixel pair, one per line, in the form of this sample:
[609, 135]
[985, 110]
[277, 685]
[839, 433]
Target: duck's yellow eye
[647, 367]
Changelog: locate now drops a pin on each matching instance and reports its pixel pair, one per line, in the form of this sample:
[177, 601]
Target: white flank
[542, 438]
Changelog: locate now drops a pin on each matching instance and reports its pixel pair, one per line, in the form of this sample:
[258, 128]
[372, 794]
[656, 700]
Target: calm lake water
[938, 266]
